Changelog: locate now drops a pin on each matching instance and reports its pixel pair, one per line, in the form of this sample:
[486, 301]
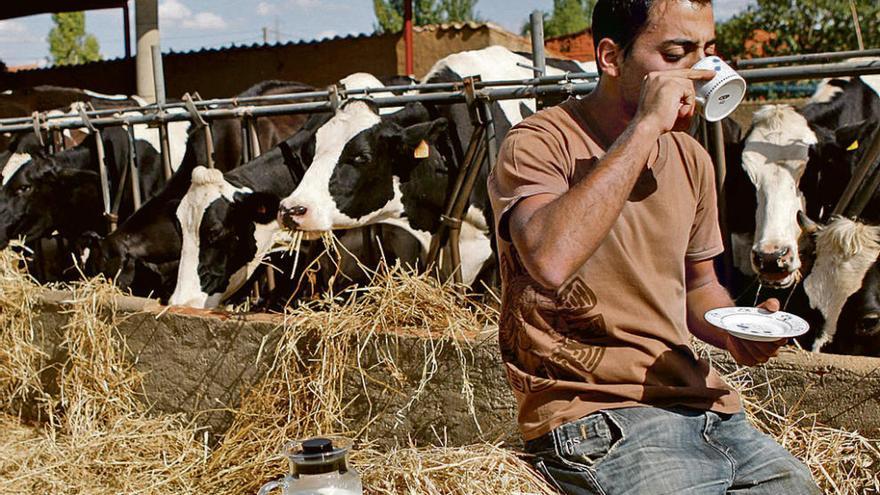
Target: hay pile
[91, 432]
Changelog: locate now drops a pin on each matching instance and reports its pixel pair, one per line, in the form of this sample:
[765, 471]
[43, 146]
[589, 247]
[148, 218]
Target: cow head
[38, 195]
[775, 158]
[222, 226]
[862, 309]
[845, 251]
[360, 160]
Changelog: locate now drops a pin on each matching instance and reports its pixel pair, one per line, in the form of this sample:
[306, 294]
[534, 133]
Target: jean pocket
[590, 440]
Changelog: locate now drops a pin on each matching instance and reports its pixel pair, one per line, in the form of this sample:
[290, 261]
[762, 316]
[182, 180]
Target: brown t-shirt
[615, 334]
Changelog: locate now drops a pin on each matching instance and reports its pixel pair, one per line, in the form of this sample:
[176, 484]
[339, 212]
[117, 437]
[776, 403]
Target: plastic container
[317, 467]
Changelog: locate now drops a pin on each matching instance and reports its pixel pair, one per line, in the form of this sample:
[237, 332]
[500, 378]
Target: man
[607, 226]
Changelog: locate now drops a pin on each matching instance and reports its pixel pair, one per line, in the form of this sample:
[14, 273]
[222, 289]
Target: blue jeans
[653, 451]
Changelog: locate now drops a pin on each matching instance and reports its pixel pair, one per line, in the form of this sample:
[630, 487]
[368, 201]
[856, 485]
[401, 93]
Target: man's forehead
[671, 20]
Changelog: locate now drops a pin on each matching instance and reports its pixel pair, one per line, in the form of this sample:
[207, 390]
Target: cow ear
[259, 207]
[416, 137]
[847, 137]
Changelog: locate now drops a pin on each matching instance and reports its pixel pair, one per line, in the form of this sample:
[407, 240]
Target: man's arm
[556, 235]
[705, 293]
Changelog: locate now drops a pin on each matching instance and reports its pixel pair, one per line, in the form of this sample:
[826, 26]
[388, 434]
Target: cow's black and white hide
[845, 252]
[142, 254]
[399, 169]
[800, 160]
[62, 193]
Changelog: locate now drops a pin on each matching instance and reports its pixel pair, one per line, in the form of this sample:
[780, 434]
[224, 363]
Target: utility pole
[265, 35]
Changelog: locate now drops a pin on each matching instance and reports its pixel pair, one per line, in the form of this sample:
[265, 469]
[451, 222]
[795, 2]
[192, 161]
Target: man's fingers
[700, 74]
[771, 305]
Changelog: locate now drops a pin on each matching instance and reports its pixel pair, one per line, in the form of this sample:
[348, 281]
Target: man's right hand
[668, 99]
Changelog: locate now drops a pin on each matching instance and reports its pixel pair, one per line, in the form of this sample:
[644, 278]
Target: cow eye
[361, 159]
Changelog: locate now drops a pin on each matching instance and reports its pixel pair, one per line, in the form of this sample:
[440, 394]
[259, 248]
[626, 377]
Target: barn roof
[11, 9]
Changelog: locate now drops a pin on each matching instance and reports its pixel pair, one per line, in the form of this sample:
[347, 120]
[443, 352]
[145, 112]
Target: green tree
[68, 41]
[799, 26]
[567, 17]
[389, 13]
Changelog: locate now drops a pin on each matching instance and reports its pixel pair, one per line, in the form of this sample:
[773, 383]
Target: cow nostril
[298, 211]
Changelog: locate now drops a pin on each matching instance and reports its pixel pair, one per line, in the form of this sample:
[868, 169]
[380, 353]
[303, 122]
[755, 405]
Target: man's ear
[609, 55]
[417, 136]
[259, 207]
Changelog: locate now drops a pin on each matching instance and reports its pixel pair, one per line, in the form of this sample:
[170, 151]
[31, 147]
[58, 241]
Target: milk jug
[317, 467]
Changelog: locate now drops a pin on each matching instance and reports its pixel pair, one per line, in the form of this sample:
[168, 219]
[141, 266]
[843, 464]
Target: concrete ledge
[199, 362]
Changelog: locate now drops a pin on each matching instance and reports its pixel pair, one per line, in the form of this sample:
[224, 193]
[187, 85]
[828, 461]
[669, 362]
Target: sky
[194, 24]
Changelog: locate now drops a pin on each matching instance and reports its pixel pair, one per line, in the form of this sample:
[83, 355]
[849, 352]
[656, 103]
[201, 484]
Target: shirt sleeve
[531, 161]
[705, 240]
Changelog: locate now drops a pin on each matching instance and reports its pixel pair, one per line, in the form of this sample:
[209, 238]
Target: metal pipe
[868, 159]
[805, 58]
[811, 71]
[461, 202]
[450, 97]
[105, 180]
[166, 150]
[866, 193]
[538, 59]
[158, 75]
[126, 27]
[134, 173]
[408, 35]
[146, 15]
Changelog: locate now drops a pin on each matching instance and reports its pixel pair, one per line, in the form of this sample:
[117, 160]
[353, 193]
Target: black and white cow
[858, 326]
[843, 280]
[800, 161]
[63, 192]
[398, 169]
[142, 254]
[221, 246]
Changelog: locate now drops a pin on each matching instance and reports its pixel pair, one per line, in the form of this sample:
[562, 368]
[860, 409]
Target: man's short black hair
[622, 21]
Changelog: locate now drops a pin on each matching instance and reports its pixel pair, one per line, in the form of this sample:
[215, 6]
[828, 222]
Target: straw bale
[97, 435]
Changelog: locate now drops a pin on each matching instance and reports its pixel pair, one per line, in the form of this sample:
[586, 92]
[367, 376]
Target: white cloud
[175, 13]
[205, 20]
[173, 10]
[305, 3]
[327, 34]
[266, 8]
[11, 27]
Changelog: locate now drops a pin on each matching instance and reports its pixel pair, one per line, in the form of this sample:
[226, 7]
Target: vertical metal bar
[245, 143]
[872, 154]
[126, 26]
[716, 132]
[538, 59]
[864, 197]
[105, 181]
[134, 173]
[408, 36]
[158, 74]
[458, 209]
[491, 138]
[166, 149]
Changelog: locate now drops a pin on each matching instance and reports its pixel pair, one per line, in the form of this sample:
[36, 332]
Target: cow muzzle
[291, 217]
[775, 266]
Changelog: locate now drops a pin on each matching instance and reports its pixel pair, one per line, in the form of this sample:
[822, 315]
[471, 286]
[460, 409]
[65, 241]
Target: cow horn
[807, 224]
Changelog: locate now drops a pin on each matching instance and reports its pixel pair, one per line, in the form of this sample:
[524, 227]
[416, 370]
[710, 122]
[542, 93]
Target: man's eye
[672, 57]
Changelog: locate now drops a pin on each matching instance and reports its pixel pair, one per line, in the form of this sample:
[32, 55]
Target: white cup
[719, 97]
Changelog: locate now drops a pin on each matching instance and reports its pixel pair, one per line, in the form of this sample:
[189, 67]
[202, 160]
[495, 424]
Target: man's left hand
[751, 353]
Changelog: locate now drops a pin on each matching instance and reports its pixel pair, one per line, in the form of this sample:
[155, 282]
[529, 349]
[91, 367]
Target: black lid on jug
[317, 456]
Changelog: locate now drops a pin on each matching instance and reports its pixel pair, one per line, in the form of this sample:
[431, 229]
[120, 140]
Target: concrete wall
[198, 361]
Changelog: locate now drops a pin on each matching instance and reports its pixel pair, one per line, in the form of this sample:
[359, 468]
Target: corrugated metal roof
[453, 26]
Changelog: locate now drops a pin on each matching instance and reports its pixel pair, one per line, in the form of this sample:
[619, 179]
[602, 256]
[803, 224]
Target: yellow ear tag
[853, 146]
[422, 150]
